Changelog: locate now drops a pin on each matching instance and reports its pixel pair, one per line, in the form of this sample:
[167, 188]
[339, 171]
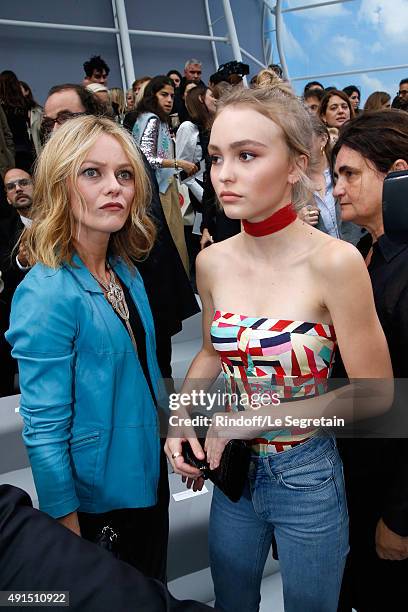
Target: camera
[395, 206]
[225, 71]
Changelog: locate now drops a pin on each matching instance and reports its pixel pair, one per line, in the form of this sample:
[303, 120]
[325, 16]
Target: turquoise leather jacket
[90, 424]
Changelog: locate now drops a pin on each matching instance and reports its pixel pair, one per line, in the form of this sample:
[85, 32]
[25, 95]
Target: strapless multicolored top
[292, 359]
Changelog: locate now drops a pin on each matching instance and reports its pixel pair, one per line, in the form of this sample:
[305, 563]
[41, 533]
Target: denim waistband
[302, 453]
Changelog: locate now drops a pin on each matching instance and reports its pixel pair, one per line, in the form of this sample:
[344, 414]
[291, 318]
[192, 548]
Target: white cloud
[331, 11]
[346, 49]
[372, 83]
[389, 17]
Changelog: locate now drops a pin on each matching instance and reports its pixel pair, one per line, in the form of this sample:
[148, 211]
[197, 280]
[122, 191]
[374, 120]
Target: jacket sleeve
[42, 333]
[186, 148]
[148, 142]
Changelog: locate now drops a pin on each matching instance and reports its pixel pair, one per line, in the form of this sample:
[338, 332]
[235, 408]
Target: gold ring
[175, 455]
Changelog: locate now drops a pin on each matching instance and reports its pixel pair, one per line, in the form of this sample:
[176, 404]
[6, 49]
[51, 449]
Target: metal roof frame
[277, 10]
[123, 33]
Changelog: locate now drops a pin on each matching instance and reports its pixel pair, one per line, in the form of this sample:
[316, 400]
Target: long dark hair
[29, 98]
[10, 92]
[149, 103]
[381, 137]
[350, 89]
[197, 109]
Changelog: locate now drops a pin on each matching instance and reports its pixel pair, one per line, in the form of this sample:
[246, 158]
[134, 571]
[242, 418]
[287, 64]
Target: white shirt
[189, 149]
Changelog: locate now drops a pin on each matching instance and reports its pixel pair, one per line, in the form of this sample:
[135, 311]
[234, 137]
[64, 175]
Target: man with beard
[19, 193]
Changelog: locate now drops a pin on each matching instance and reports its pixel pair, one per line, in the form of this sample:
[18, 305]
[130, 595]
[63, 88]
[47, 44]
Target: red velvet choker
[280, 219]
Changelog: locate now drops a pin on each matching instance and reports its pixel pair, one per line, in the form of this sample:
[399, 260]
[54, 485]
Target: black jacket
[169, 291]
[39, 554]
[376, 468]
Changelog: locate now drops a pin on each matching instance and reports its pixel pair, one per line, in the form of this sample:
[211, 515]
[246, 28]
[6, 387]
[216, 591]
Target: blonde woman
[82, 332]
[118, 102]
[276, 303]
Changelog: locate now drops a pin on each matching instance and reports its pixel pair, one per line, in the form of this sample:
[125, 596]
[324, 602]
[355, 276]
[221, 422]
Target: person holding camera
[376, 470]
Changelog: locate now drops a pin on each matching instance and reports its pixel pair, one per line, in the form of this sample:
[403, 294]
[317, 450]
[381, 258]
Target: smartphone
[395, 205]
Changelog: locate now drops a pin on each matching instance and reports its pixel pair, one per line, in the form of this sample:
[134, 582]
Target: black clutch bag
[230, 476]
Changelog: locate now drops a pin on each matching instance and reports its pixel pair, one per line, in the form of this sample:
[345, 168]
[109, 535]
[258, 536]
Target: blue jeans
[297, 496]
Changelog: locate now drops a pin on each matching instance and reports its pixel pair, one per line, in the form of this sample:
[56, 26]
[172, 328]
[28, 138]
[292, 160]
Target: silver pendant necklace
[116, 298]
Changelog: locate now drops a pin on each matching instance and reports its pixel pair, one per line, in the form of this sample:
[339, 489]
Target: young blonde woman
[83, 335]
[276, 303]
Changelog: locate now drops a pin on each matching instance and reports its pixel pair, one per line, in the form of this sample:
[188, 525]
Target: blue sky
[349, 36]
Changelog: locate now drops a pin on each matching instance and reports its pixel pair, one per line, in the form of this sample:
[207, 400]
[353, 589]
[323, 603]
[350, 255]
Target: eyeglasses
[48, 123]
[19, 182]
[403, 93]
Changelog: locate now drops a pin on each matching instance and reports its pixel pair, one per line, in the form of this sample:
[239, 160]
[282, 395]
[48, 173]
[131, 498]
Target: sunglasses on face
[19, 182]
[48, 123]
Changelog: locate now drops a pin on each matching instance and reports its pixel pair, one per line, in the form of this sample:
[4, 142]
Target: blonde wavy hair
[278, 103]
[268, 79]
[50, 240]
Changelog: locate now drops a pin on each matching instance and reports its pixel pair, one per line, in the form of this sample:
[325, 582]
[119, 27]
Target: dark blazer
[37, 553]
[10, 230]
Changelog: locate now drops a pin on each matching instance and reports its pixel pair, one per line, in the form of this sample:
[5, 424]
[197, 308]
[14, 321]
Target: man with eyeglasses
[66, 102]
[18, 186]
[403, 89]
[19, 191]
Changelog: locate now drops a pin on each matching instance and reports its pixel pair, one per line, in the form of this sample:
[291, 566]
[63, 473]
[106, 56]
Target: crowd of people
[116, 207]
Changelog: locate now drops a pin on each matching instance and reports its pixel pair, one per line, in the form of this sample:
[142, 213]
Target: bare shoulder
[219, 254]
[336, 258]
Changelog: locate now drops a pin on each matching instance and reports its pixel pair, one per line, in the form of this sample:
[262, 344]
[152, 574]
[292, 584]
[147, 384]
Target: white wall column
[211, 33]
[125, 43]
[119, 45]
[232, 32]
[279, 41]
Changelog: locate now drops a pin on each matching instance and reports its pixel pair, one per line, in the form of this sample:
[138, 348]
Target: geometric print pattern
[293, 359]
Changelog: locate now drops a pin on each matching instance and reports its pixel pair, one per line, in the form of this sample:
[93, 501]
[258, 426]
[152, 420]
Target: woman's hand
[218, 436]
[214, 448]
[173, 450]
[309, 214]
[187, 166]
[206, 239]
